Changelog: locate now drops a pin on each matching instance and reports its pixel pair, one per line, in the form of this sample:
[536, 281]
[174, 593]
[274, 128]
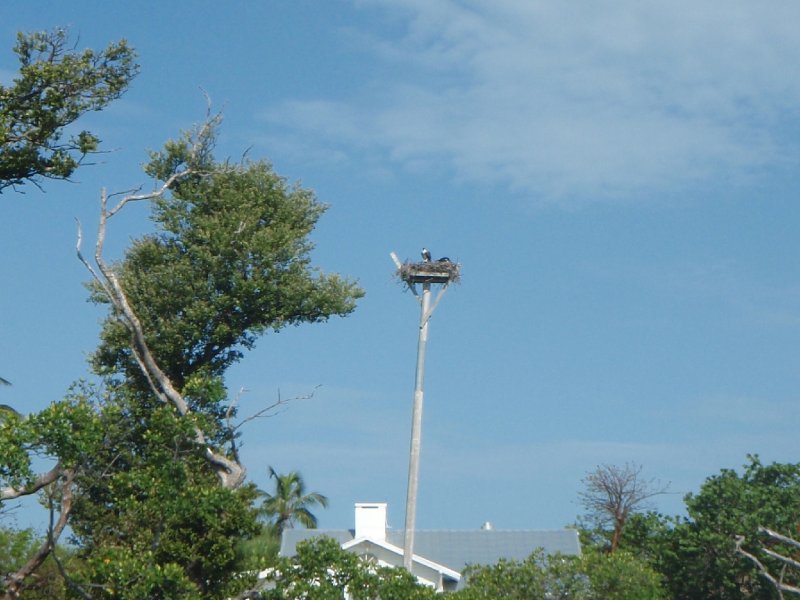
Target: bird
[444, 259]
[426, 255]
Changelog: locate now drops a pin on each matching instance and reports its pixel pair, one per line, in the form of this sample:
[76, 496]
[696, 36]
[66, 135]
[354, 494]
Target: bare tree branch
[784, 559]
[777, 536]
[270, 411]
[613, 493]
[66, 505]
[10, 492]
[777, 583]
[13, 582]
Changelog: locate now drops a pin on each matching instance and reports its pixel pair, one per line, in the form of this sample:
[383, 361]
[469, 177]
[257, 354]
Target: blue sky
[619, 182]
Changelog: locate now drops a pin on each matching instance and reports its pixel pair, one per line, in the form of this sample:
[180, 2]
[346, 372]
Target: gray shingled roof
[457, 548]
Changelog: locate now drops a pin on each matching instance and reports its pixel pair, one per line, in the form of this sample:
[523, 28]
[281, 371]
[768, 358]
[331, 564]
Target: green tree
[538, 576]
[701, 560]
[229, 263]
[55, 86]
[158, 502]
[151, 519]
[290, 503]
[594, 575]
[65, 431]
[620, 576]
[651, 538]
[696, 554]
[16, 548]
[323, 571]
[258, 552]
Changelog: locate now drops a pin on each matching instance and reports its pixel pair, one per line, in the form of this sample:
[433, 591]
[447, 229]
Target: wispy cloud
[571, 101]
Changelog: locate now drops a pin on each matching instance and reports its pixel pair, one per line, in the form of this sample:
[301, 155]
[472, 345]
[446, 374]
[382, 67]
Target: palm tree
[290, 503]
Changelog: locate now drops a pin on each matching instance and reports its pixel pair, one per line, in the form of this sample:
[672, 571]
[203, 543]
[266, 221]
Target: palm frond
[289, 503]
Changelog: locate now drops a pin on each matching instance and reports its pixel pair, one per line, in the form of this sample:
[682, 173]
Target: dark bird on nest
[426, 255]
[444, 259]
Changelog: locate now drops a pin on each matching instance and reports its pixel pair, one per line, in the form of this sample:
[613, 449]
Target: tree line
[701, 555]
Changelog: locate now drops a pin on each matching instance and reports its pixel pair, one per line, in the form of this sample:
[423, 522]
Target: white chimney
[371, 520]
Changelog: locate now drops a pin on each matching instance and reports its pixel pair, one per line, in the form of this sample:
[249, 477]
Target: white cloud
[569, 100]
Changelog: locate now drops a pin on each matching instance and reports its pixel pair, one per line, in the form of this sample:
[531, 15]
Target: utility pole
[425, 273]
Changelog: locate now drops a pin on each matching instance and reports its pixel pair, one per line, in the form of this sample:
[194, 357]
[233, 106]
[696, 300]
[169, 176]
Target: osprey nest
[439, 271]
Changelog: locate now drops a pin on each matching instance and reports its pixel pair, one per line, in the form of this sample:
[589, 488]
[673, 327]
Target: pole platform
[426, 273]
[430, 272]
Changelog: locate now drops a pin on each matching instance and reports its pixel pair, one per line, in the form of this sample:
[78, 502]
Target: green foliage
[15, 440]
[646, 533]
[538, 576]
[67, 430]
[592, 576]
[128, 574]
[323, 571]
[149, 503]
[621, 576]
[259, 552]
[231, 262]
[16, 547]
[149, 518]
[54, 88]
[695, 555]
[697, 558]
[290, 503]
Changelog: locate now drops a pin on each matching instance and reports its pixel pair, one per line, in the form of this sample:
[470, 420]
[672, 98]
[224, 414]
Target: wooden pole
[416, 429]
[426, 274]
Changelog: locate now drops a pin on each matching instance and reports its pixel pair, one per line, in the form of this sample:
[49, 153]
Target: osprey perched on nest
[426, 255]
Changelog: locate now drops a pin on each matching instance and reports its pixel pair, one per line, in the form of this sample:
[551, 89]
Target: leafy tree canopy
[323, 571]
[591, 576]
[696, 554]
[229, 261]
[16, 547]
[55, 86]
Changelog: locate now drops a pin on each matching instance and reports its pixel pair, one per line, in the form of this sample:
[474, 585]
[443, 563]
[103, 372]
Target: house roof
[456, 549]
[398, 552]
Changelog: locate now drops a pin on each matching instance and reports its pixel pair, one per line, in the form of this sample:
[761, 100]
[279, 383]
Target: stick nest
[411, 271]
